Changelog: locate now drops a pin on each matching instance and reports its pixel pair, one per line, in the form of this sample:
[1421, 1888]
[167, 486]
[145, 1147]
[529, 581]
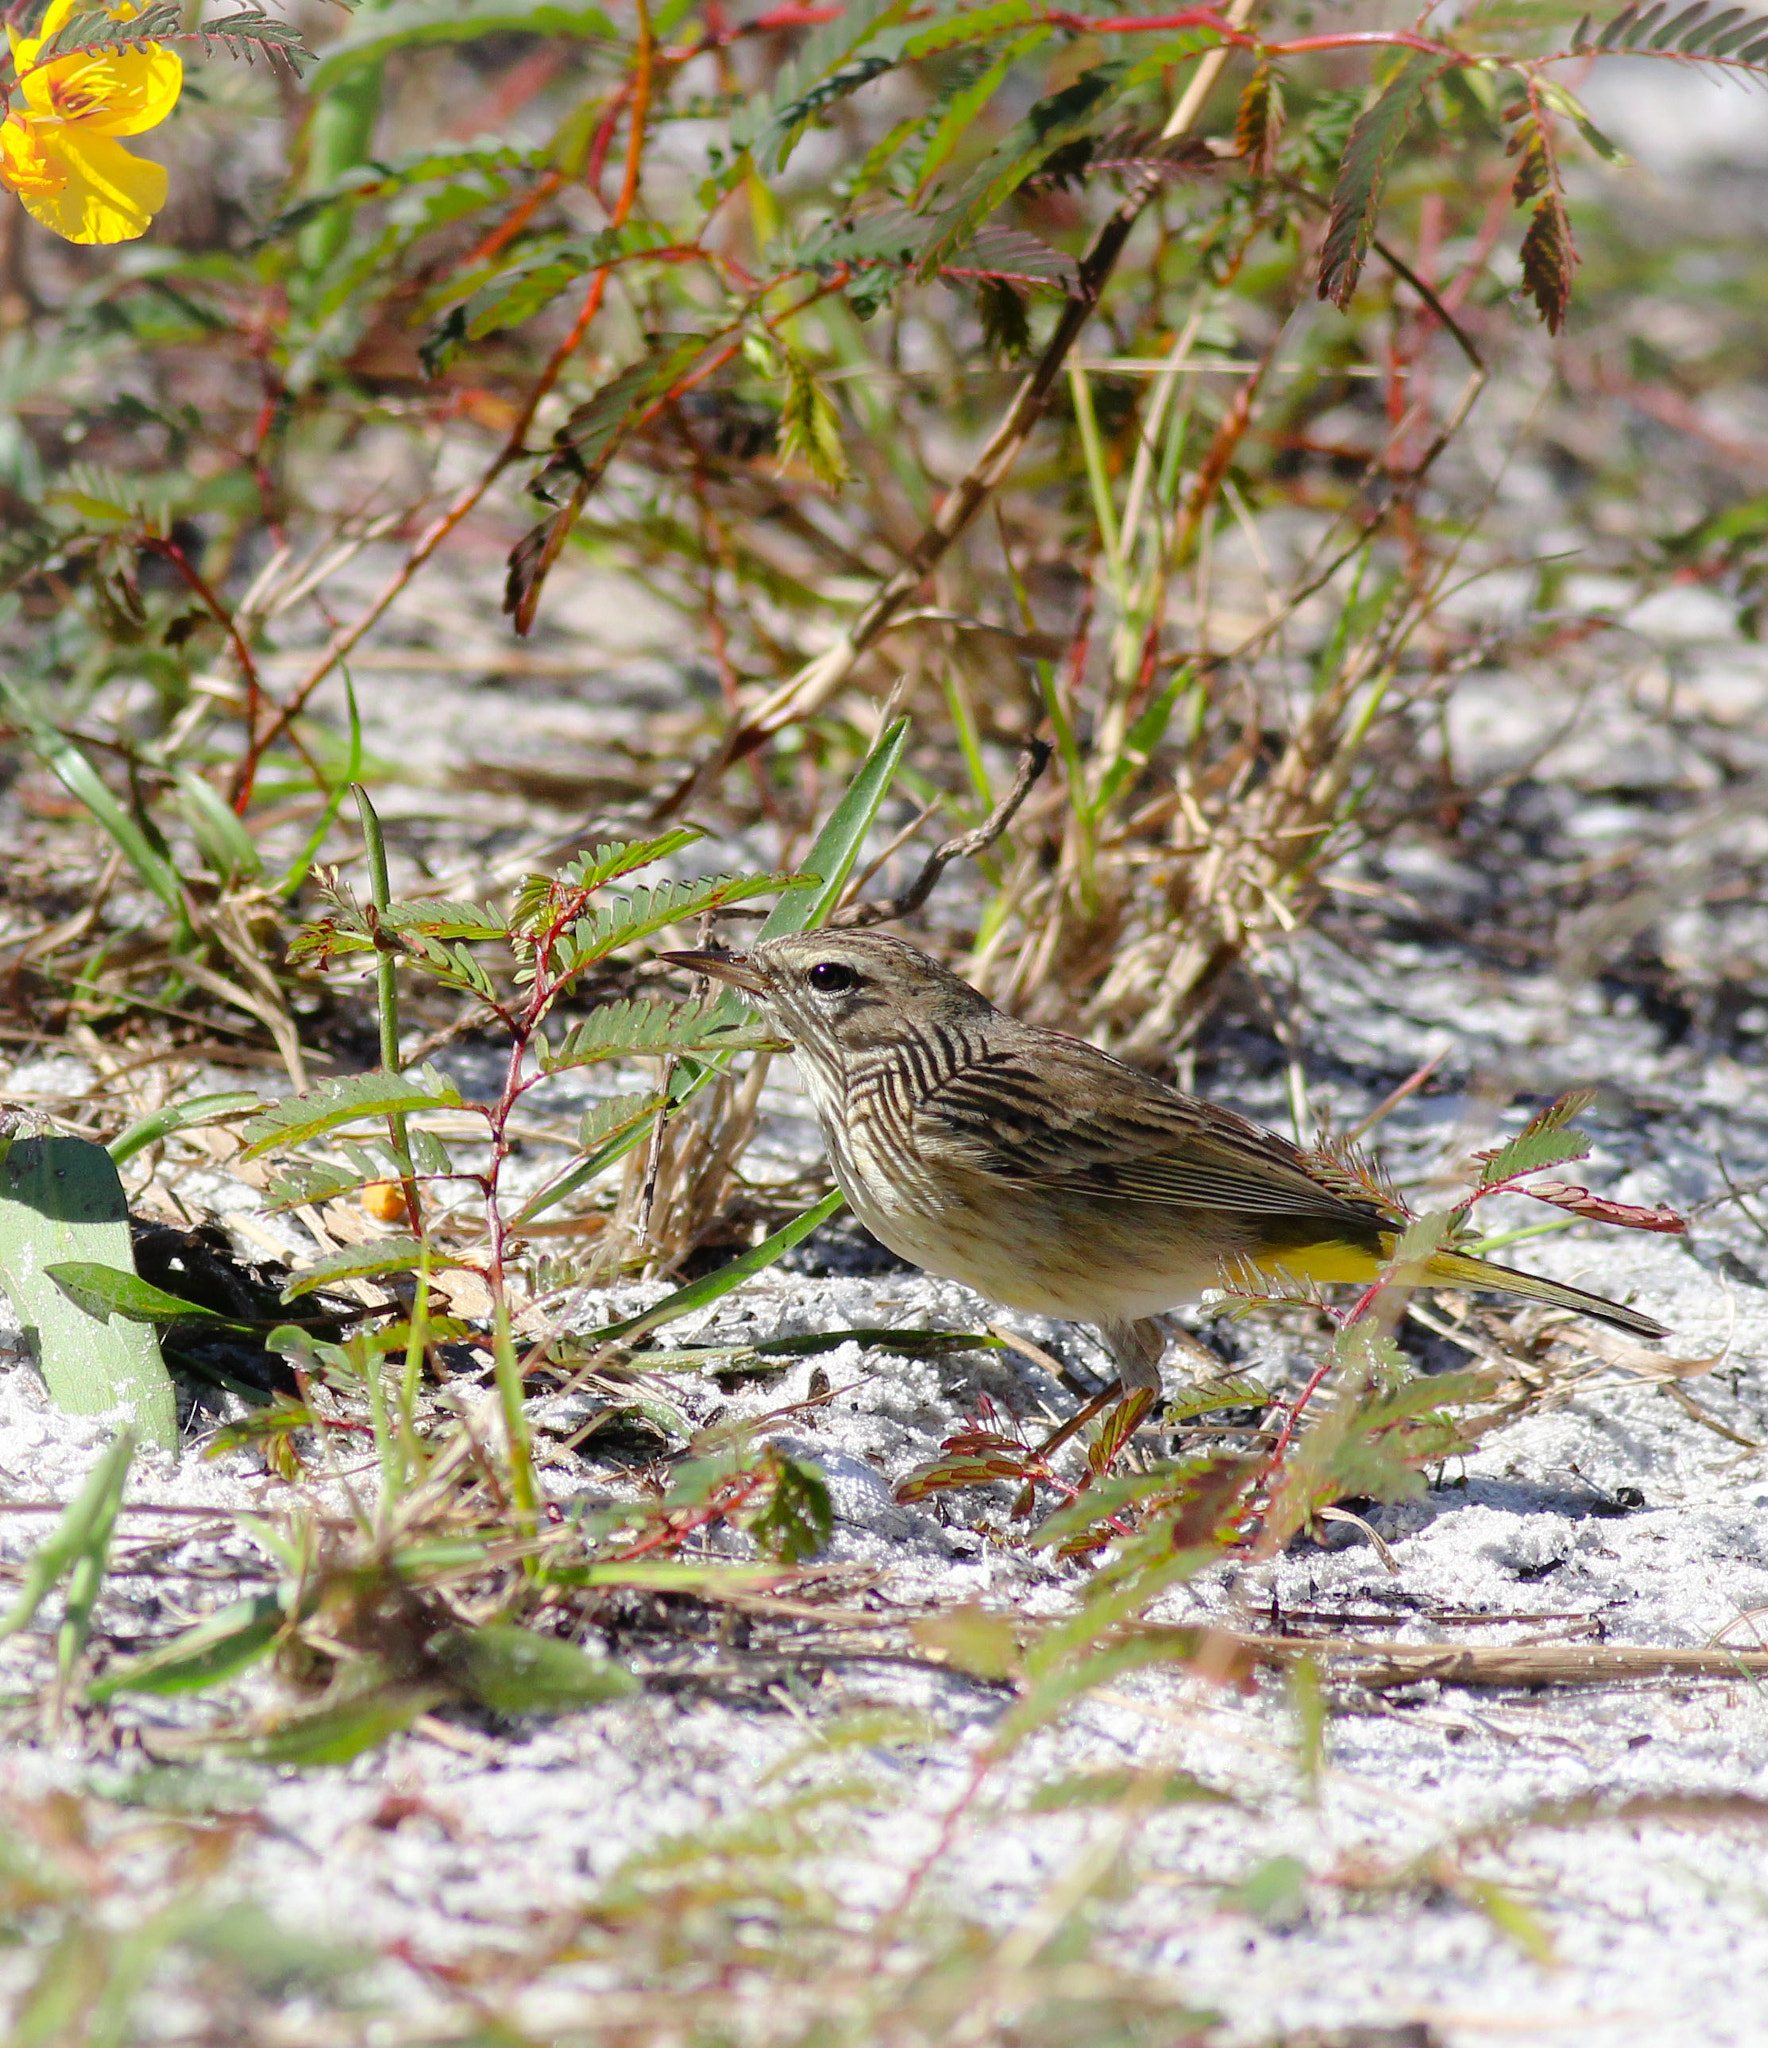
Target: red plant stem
[1274, 1465]
[677, 1528]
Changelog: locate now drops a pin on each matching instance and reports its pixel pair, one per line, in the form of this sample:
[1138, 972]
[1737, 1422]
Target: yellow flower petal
[105, 92]
[25, 167]
[108, 196]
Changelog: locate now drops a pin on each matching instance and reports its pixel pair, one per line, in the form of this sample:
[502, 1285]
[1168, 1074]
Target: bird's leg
[1136, 1350]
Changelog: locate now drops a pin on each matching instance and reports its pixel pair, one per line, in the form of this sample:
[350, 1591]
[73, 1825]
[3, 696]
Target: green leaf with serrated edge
[614, 1117]
[521, 284]
[1356, 198]
[512, 1670]
[412, 24]
[808, 905]
[1532, 1151]
[964, 25]
[683, 1082]
[609, 863]
[318, 1182]
[1057, 119]
[178, 1116]
[429, 1155]
[715, 1286]
[302, 1117]
[634, 1027]
[647, 910]
[83, 1523]
[799, 1517]
[207, 1653]
[437, 918]
[61, 1201]
[584, 446]
[382, 178]
[363, 1262]
[1529, 1147]
[105, 1291]
[826, 67]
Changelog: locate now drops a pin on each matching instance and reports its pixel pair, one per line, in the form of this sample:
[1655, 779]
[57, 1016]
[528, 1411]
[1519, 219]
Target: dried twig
[906, 902]
[1375, 1665]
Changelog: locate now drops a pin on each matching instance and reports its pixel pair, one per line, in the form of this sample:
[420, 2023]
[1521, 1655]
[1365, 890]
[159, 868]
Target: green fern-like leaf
[633, 1028]
[1549, 260]
[347, 1101]
[413, 24]
[829, 66]
[1057, 119]
[523, 283]
[810, 427]
[1258, 124]
[1547, 1139]
[1356, 198]
[628, 918]
[1725, 35]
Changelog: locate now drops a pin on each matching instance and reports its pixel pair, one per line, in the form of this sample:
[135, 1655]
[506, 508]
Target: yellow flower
[58, 146]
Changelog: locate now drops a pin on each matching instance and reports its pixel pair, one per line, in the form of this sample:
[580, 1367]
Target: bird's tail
[1459, 1269]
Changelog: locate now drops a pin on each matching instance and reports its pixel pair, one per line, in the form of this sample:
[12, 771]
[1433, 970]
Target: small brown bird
[1049, 1176]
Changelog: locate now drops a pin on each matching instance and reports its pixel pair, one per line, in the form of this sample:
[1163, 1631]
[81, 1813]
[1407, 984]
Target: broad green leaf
[105, 1291]
[410, 24]
[302, 1117]
[808, 905]
[204, 1654]
[225, 842]
[513, 1670]
[61, 1202]
[972, 1638]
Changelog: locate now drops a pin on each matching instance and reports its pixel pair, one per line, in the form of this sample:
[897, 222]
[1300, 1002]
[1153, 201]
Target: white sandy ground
[1658, 1922]
[1620, 1515]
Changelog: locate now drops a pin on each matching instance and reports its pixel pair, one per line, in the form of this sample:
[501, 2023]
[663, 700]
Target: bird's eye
[830, 978]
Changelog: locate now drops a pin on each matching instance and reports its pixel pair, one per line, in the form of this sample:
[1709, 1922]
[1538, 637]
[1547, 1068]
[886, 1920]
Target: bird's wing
[1059, 1113]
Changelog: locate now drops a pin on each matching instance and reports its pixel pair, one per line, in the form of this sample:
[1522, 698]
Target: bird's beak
[732, 967]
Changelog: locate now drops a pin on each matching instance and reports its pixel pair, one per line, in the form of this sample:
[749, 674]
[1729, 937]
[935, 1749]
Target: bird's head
[836, 994]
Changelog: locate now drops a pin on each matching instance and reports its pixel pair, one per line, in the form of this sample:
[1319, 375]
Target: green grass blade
[715, 1286]
[178, 1116]
[831, 859]
[86, 1520]
[78, 776]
